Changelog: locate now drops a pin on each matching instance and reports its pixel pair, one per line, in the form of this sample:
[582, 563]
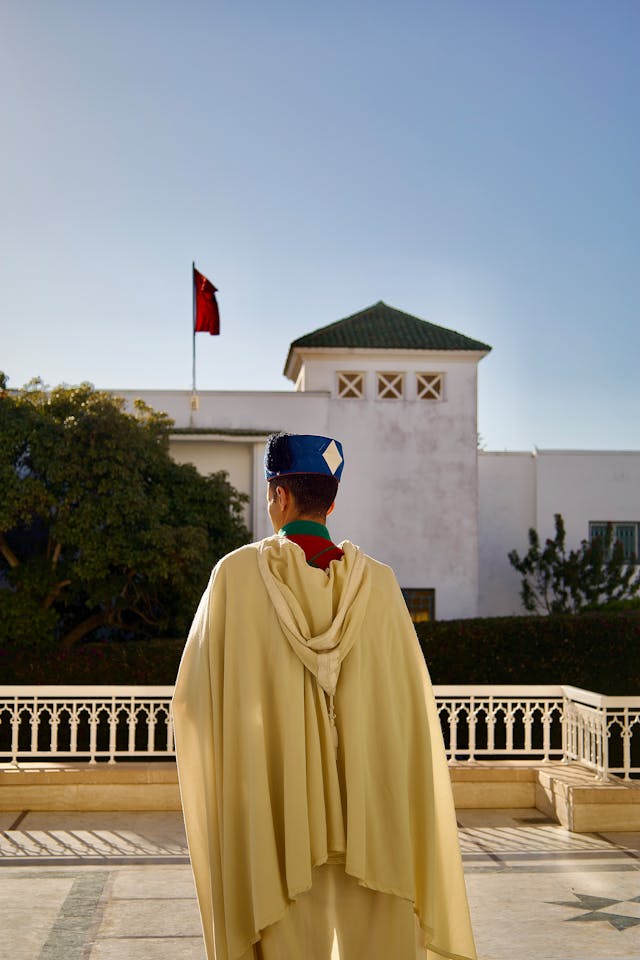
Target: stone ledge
[158, 771]
[493, 786]
[506, 771]
[568, 793]
[90, 786]
[582, 804]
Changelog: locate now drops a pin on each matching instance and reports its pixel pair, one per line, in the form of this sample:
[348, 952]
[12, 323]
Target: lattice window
[390, 386]
[430, 386]
[421, 603]
[350, 384]
[626, 533]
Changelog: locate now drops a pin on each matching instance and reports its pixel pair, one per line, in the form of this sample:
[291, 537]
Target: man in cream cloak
[314, 783]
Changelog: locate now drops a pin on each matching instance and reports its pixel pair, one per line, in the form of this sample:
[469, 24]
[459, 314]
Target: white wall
[522, 490]
[260, 411]
[209, 456]
[415, 492]
[586, 485]
[251, 416]
[320, 369]
[409, 494]
[507, 491]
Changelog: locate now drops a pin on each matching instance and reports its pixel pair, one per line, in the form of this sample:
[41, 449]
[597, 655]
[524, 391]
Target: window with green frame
[421, 603]
[627, 533]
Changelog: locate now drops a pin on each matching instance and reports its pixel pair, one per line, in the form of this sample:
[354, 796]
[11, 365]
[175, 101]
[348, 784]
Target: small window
[390, 386]
[626, 533]
[429, 386]
[421, 603]
[350, 384]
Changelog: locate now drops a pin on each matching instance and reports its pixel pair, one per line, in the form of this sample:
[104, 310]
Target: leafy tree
[555, 580]
[101, 532]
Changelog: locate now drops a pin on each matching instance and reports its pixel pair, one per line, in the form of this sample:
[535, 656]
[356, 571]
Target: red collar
[318, 550]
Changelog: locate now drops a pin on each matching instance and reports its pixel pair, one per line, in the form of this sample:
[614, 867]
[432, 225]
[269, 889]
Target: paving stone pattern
[118, 886]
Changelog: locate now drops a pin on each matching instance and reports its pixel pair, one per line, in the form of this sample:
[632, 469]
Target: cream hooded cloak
[307, 731]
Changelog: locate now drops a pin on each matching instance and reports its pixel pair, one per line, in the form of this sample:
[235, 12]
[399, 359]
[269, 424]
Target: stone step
[138, 785]
[569, 793]
[583, 805]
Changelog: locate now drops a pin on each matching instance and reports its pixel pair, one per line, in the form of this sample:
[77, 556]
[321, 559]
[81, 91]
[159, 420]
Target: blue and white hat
[292, 454]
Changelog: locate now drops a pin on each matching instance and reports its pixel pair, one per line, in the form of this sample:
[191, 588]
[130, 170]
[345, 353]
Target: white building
[590, 488]
[401, 395]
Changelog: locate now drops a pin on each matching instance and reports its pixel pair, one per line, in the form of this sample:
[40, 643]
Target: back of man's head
[313, 495]
[303, 465]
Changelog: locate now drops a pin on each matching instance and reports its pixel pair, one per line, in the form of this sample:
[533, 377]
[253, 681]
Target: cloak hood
[320, 611]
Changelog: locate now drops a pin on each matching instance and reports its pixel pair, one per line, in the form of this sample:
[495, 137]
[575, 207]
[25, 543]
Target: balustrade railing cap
[501, 721]
[81, 690]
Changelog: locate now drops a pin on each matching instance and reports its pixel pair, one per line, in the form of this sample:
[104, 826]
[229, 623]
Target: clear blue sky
[473, 162]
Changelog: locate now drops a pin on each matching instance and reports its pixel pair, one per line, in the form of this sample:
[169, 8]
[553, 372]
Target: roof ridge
[383, 327]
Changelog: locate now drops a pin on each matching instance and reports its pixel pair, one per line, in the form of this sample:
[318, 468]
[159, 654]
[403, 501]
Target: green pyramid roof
[381, 327]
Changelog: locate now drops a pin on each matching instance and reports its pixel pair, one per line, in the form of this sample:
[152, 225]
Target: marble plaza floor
[117, 886]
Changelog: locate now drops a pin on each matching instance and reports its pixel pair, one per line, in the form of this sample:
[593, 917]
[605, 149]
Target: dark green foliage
[130, 663]
[555, 580]
[102, 534]
[598, 651]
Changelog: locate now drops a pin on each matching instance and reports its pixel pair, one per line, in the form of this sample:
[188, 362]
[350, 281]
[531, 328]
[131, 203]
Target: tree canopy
[557, 580]
[101, 532]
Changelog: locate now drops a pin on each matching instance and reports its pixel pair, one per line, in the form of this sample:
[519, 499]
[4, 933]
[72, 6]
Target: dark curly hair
[313, 493]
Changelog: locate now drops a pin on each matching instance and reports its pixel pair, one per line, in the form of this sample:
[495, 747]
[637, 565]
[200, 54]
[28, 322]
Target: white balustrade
[94, 723]
[600, 732]
[508, 722]
[529, 723]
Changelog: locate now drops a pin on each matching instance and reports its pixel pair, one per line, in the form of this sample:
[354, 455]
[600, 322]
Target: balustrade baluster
[132, 726]
[151, 728]
[93, 733]
[453, 731]
[471, 727]
[546, 732]
[491, 726]
[626, 744]
[508, 719]
[34, 715]
[586, 720]
[170, 743]
[74, 720]
[55, 723]
[529, 713]
[15, 731]
[113, 730]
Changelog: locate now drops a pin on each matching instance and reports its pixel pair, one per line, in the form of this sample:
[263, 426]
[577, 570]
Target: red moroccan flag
[207, 316]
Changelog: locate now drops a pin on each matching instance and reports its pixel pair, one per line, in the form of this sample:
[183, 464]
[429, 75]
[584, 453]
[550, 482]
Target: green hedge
[145, 662]
[598, 651]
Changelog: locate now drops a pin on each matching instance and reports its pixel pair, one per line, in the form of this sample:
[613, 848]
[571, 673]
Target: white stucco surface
[210, 456]
[586, 485]
[260, 412]
[522, 490]
[415, 493]
[409, 491]
[507, 498]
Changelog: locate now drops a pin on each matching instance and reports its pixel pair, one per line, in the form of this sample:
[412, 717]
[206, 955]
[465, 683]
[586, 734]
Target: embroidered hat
[287, 454]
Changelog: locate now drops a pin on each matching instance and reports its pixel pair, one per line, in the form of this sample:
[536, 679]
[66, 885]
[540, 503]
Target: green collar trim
[309, 527]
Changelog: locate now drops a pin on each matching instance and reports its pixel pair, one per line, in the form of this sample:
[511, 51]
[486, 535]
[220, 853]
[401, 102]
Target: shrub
[598, 651]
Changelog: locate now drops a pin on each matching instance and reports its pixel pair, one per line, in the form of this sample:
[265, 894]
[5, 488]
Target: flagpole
[193, 327]
[194, 395]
